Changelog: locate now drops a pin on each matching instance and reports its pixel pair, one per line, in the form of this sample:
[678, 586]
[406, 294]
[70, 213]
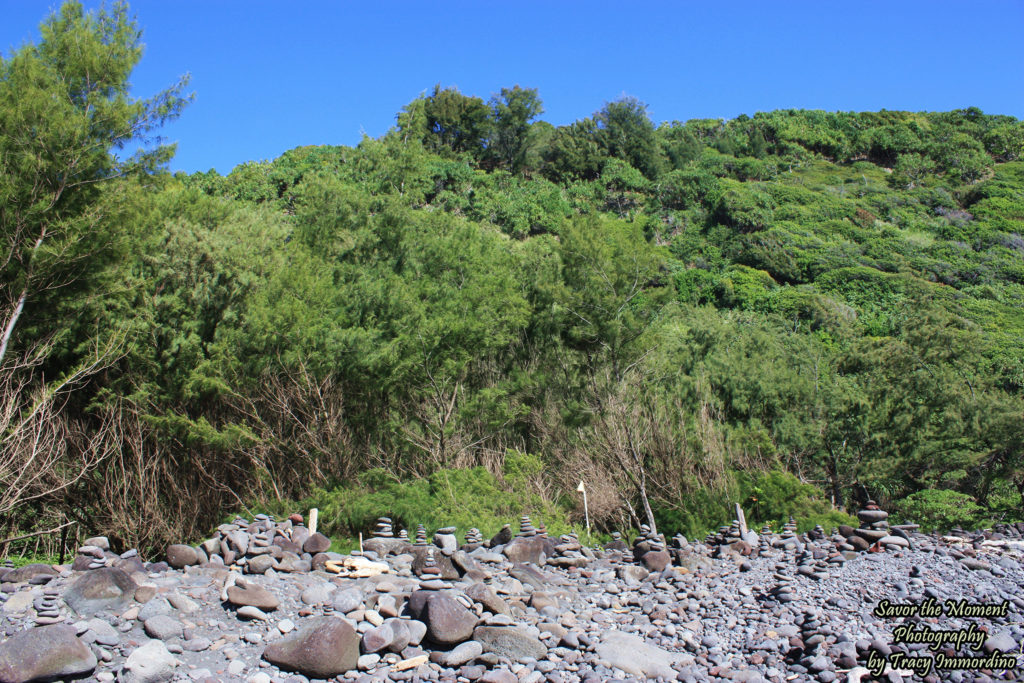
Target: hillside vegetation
[480, 309]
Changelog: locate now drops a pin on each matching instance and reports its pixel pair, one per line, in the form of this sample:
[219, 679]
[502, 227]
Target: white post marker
[586, 513]
[313, 514]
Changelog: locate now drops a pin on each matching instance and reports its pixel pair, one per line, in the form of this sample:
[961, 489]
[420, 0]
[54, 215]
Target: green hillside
[785, 310]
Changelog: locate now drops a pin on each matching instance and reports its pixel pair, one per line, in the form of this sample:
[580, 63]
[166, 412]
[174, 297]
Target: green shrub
[462, 498]
[940, 510]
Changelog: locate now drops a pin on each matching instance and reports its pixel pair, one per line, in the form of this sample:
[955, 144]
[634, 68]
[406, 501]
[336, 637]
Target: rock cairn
[526, 527]
[421, 536]
[384, 529]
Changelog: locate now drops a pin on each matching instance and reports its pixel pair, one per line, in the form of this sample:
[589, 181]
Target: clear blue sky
[269, 76]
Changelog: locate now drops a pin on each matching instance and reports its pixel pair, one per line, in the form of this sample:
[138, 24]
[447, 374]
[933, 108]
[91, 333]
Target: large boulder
[448, 622]
[101, 589]
[45, 653]
[526, 549]
[324, 648]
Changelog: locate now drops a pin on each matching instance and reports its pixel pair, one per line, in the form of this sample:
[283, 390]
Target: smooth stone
[633, 655]
[104, 589]
[513, 642]
[45, 653]
[180, 556]
[163, 627]
[151, 663]
[324, 647]
[253, 596]
[465, 652]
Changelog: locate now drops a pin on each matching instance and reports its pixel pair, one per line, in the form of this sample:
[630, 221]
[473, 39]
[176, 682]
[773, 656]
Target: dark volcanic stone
[448, 622]
[325, 647]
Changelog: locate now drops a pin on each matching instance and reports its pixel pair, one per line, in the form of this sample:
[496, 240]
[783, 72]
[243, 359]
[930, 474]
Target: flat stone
[513, 642]
[465, 652]
[253, 596]
[28, 572]
[635, 656]
[163, 627]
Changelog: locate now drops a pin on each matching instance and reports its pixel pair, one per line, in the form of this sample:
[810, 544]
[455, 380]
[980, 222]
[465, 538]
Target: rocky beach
[264, 601]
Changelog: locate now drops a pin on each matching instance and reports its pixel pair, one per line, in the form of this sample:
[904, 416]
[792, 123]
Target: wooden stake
[742, 519]
[313, 516]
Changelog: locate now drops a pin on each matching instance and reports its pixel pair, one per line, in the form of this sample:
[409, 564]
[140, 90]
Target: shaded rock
[345, 601]
[45, 653]
[488, 598]
[317, 543]
[101, 589]
[377, 639]
[323, 648]
[526, 549]
[28, 572]
[448, 622]
[513, 642]
[656, 560]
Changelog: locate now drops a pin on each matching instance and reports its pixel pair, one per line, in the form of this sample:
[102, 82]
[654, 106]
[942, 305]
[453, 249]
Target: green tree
[626, 132]
[64, 106]
[511, 114]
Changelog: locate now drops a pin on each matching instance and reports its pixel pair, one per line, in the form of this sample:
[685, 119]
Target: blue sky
[269, 76]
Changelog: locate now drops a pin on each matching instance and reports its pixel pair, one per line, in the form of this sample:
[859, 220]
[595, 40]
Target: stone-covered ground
[264, 601]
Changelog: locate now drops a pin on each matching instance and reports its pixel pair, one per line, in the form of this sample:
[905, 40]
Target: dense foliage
[790, 310]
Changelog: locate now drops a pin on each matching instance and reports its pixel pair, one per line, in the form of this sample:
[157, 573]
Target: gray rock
[509, 641]
[104, 589]
[259, 564]
[467, 651]
[154, 607]
[163, 627]
[45, 653]
[179, 556]
[633, 655]
[323, 648]
[345, 601]
[151, 663]
[319, 594]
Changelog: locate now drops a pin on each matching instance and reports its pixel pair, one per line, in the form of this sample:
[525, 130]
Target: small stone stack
[47, 607]
[616, 543]
[474, 537]
[89, 557]
[384, 528]
[542, 529]
[403, 535]
[810, 567]
[421, 536]
[430, 574]
[445, 539]
[873, 525]
[526, 527]
[782, 591]
[817, 533]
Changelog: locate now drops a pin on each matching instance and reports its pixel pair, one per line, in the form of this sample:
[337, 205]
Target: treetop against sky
[269, 77]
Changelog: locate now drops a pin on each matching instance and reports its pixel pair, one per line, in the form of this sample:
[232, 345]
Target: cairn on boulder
[526, 527]
[474, 537]
[403, 535]
[782, 591]
[873, 526]
[384, 529]
[421, 536]
[616, 543]
[542, 529]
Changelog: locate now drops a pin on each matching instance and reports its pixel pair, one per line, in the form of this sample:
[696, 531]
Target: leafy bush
[462, 498]
[940, 510]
